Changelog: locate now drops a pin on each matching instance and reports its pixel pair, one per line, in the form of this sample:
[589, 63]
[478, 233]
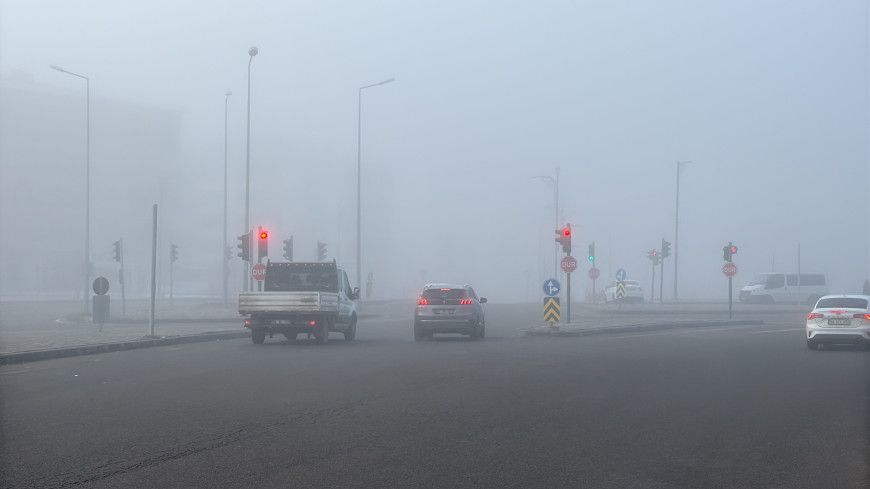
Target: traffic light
[288, 249]
[592, 252]
[244, 247]
[728, 251]
[116, 254]
[321, 251]
[666, 249]
[173, 252]
[262, 243]
[563, 237]
[653, 255]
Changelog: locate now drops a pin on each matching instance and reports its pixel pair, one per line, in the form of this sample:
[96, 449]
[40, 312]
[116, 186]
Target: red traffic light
[566, 231]
[733, 250]
[264, 235]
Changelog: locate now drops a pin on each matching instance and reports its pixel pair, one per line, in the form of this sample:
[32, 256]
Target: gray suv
[448, 308]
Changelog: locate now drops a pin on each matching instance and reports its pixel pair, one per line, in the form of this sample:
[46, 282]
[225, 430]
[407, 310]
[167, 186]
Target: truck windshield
[319, 277]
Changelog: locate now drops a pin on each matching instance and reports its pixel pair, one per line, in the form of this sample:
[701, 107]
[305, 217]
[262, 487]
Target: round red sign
[729, 269]
[569, 264]
[258, 271]
[594, 273]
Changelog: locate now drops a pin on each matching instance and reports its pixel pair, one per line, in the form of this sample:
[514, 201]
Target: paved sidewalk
[31, 330]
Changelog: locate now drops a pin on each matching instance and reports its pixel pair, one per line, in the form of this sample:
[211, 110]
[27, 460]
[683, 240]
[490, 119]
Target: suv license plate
[839, 322]
[282, 321]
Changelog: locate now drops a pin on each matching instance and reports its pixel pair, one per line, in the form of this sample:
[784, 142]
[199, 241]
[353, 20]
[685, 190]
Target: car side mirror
[483, 300]
[355, 293]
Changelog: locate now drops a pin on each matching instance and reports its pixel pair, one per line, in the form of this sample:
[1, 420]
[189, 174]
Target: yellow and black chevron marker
[552, 311]
[620, 290]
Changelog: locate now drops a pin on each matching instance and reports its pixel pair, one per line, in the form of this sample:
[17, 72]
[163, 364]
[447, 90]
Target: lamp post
[358, 179]
[87, 186]
[555, 183]
[677, 225]
[224, 257]
[251, 52]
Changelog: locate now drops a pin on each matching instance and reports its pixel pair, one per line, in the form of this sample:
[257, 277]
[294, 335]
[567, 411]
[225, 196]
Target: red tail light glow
[422, 302]
[862, 316]
[815, 315]
[465, 302]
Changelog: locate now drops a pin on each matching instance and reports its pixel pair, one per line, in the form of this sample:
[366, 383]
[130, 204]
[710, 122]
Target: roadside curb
[634, 328]
[146, 342]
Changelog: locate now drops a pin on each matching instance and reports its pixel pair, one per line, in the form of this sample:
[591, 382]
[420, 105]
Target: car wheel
[258, 336]
[483, 329]
[350, 334]
[812, 345]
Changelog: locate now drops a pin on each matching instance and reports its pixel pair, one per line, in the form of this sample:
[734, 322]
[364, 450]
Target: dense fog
[492, 102]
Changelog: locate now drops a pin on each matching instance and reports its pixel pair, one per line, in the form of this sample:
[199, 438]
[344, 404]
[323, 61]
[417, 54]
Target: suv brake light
[465, 302]
[815, 315]
[422, 302]
[862, 316]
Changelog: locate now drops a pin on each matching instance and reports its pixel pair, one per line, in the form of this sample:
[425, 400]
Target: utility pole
[677, 226]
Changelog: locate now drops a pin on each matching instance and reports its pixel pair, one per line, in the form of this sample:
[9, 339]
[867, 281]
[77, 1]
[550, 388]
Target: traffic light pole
[662, 279]
[568, 299]
[730, 296]
[121, 279]
[652, 297]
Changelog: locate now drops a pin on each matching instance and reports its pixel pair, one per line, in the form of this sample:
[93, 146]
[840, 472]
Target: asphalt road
[734, 407]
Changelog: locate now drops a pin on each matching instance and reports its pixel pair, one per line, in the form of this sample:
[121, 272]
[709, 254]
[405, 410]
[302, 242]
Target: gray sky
[768, 100]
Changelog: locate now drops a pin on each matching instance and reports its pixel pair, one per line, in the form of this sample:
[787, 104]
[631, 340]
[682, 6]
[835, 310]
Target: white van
[804, 288]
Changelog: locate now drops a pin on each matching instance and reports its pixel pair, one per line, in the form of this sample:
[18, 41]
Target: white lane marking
[778, 330]
[674, 331]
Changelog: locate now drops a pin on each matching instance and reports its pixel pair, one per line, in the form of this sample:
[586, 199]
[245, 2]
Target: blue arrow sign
[620, 275]
[552, 287]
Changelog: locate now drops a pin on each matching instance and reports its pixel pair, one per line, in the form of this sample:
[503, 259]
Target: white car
[839, 319]
[633, 292]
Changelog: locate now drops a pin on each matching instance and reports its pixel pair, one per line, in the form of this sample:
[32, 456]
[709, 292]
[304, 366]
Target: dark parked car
[447, 308]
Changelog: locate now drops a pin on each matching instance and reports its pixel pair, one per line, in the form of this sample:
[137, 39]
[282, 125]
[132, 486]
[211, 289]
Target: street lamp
[677, 226]
[251, 52]
[555, 183]
[224, 258]
[87, 186]
[358, 186]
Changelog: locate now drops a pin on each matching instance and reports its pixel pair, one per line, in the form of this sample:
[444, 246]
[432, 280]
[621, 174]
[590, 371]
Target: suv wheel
[474, 332]
[812, 345]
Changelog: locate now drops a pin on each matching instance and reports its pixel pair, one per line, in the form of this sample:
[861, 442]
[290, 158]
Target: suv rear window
[844, 302]
[430, 294]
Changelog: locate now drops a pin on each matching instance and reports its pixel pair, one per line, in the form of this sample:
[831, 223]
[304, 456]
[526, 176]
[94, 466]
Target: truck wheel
[322, 335]
[258, 336]
[350, 334]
